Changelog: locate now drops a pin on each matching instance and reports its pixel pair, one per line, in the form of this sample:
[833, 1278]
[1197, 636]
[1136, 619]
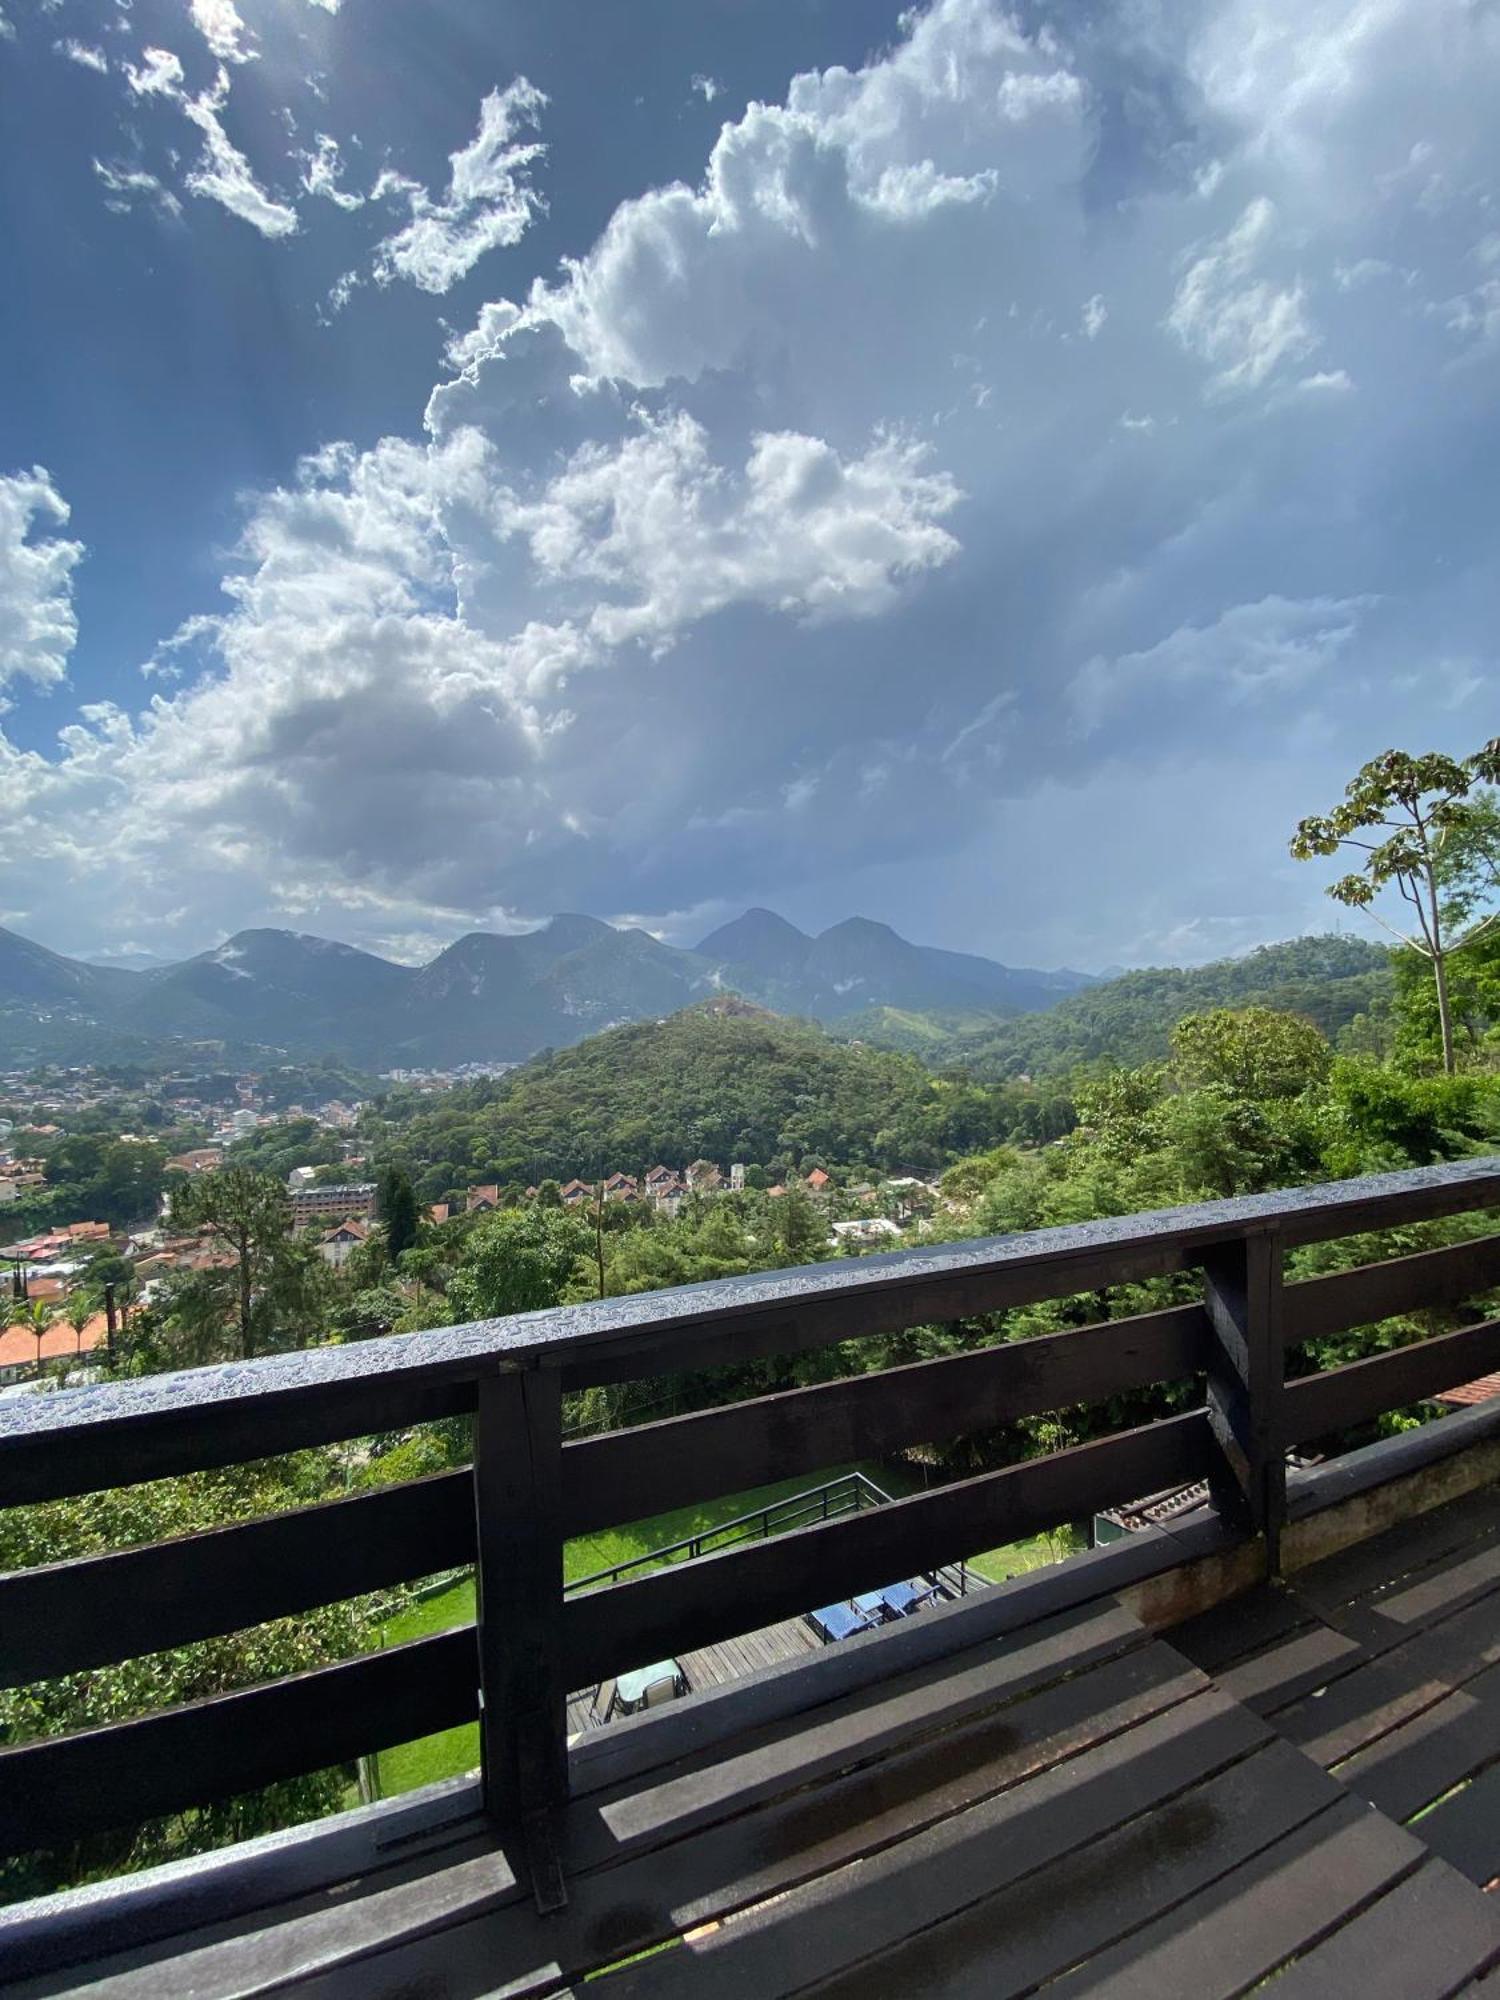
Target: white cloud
[1095, 313]
[1248, 653]
[84, 54]
[224, 175]
[321, 171]
[7, 28]
[126, 186]
[219, 23]
[707, 87]
[1242, 324]
[670, 537]
[38, 627]
[489, 204]
[160, 74]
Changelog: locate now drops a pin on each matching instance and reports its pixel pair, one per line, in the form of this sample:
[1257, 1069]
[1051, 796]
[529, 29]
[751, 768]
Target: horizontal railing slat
[99, 1609]
[1321, 1306]
[63, 1788]
[112, 1434]
[655, 1468]
[1339, 1398]
[719, 1597]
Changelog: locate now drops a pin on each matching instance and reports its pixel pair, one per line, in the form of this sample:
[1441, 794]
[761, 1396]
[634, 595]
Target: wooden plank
[1216, 1639]
[1221, 1942]
[62, 1788]
[1295, 1666]
[1111, 1663]
[1071, 1791]
[517, 1461]
[1011, 1942]
[1242, 1293]
[1412, 1765]
[116, 1433]
[1464, 1830]
[1406, 1550]
[172, 1424]
[1340, 1398]
[655, 1468]
[698, 1603]
[1026, 1837]
[1420, 1941]
[1368, 1293]
[87, 1613]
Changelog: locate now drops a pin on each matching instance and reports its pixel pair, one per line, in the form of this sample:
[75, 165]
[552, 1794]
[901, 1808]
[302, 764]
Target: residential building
[736, 1176]
[866, 1229]
[339, 1243]
[575, 1193]
[480, 1198]
[332, 1204]
[60, 1342]
[620, 1187]
[199, 1160]
[817, 1180]
[704, 1177]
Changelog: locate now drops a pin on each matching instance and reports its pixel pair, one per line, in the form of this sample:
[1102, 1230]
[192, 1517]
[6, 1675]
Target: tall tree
[396, 1206]
[1419, 828]
[249, 1214]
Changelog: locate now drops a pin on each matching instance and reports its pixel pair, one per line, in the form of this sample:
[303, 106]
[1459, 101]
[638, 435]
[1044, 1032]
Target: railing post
[1242, 1291]
[518, 1610]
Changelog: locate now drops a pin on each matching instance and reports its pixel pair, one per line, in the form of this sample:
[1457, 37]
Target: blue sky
[991, 470]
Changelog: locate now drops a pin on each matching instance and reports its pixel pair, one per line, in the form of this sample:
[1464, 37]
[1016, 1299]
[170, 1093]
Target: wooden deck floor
[1299, 1788]
[716, 1666]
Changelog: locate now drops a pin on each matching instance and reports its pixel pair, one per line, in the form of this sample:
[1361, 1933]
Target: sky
[991, 470]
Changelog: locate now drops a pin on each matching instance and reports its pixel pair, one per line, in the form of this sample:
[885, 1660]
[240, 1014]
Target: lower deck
[1301, 1786]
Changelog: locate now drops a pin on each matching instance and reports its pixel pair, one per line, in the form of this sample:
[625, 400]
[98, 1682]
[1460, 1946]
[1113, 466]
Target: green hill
[1129, 1020]
[724, 1081]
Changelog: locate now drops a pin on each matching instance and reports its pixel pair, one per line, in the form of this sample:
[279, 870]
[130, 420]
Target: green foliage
[1251, 1052]
[124, 1518]
[396, 1205]
[1129, 1021]
[517, 1260]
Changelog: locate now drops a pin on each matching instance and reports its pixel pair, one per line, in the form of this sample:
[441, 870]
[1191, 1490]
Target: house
[620, 1187]
[88, 1232]
[774, 1191]
[575, 1192]
[736, 1176]
[480, 1199]
[438, 1211]
[199, 1160]
[704, 1176]
[338, 1245]
[866, 1229]
[301, 1177]
[817, 1180]
[658, 1178]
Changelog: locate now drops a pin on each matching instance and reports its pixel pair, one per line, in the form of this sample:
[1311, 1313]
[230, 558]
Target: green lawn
[457, 1750]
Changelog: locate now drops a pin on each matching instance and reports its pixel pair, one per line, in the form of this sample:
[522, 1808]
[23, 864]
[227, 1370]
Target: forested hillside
[1129, 1020]
[724, 1081]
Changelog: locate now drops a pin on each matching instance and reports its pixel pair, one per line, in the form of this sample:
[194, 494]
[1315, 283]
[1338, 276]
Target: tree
[80, 1309]
[1251, 1051]
[517, 1260]
[396, 1206]
[36, 1317]
[1436, 839]
[247, 1212]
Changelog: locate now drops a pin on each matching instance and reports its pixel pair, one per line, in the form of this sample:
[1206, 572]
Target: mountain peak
[754, 938]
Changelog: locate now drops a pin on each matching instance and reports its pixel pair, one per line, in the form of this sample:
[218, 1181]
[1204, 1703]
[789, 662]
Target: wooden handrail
[528, 1491]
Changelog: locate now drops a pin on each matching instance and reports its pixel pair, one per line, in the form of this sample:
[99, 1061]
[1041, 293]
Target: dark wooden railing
[528, 1491]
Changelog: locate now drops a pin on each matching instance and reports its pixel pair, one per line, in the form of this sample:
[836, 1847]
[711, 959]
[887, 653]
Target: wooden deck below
[1302, 1787]
[716, 1666]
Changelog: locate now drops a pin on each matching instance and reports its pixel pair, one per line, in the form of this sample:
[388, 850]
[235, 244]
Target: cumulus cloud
[815, 521]
[489, 204]
[158, 74]
[38, 627]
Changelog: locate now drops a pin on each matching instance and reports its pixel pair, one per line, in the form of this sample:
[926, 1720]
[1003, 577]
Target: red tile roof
[1483, 1391]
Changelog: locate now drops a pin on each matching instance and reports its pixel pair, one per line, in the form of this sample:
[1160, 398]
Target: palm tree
[36, 1317]
[80, 1310]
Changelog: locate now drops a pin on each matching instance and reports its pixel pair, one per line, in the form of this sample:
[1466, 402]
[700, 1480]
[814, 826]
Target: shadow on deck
[1034, 1787]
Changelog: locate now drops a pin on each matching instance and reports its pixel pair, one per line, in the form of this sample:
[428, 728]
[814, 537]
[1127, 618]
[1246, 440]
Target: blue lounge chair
[839, 1621]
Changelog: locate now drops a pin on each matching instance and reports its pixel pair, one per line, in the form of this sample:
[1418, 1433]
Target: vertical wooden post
[1242, 1290]
[517, 1497]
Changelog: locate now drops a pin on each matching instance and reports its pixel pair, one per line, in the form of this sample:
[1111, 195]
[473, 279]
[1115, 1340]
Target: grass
[455, 1751]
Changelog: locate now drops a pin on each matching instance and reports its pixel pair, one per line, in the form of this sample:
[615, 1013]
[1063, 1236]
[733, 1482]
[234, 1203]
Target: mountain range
[486, 998]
